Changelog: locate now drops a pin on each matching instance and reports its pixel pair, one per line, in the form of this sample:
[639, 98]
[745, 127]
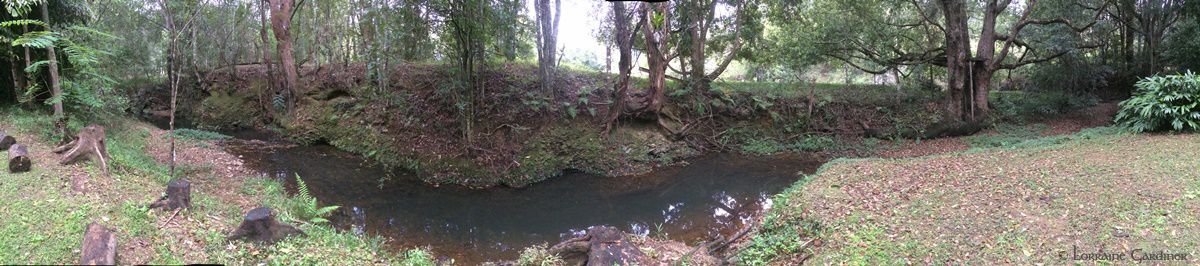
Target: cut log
[6, 141]
[99, 246]
[91, 142]
[179, 195]
[18, 159]
[260, 225]
[601, 246]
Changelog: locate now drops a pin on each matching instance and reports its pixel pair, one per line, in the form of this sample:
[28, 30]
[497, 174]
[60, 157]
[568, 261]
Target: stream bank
[701, 199]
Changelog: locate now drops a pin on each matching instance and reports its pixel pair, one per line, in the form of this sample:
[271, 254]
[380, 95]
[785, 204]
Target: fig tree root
[18, 159]
[90, 142]
[99, 246]
[6, 141]
[260, 225]
[179, 196]
[601, 246]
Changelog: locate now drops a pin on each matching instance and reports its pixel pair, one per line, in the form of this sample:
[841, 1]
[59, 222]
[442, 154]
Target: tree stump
[90, 141]
[6, 141]
[601, 246]
[99, 246]
[18, 159]
[260, 225]
[179, 195]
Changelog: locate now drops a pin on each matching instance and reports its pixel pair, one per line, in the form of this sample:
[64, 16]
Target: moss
[223, 110]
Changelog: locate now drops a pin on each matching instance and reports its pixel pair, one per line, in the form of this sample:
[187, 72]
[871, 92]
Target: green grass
[44, 218]
[1023, 202]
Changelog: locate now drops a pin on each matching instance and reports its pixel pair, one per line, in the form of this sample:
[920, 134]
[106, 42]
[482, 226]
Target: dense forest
[499, 132]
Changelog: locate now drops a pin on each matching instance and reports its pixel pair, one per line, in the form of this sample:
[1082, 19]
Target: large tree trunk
[958, 60]
[91, 142]
[656, 58]
[281, 24]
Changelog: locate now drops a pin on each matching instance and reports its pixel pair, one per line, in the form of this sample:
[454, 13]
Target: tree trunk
[18, 159]
[958, 60]
[273, 79]
[179, 196]
[600, 246]
[547, 41]
[55, 87]
[99, 246]
[90, 141]
[281, 24]
[623, 37]
[260, 225]
[656, 58]
[18, 75]
[6, 141]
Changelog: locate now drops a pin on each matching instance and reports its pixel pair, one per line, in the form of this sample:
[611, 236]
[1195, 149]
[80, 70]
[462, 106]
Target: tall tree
[908, 33]
[623, 37]
[56, 94]
[281, 25]
[547, 40]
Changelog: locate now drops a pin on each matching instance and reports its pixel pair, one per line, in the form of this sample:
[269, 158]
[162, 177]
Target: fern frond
[36, 66]
[37, 39]
[23, 22]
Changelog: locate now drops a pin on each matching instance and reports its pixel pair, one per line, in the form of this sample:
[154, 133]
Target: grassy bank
[46, 210]
[1031, 202]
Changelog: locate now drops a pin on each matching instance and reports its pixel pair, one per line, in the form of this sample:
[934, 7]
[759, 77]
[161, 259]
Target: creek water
[708, 196]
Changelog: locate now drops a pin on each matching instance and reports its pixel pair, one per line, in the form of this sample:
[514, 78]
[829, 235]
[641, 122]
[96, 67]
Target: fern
[37, 39]
[22, 22]
[306, 208]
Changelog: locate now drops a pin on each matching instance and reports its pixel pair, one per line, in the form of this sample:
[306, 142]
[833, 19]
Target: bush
[1163, 103]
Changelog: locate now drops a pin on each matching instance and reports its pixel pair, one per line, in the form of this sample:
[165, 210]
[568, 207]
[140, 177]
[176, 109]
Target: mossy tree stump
[99, 246]
[179, 196]
[18, 159]
[91, 142]
[260, 225]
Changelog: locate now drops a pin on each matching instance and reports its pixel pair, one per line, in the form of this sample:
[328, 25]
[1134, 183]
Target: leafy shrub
[418, 257]
[538, 255]
[1163, 103]
[305, 208]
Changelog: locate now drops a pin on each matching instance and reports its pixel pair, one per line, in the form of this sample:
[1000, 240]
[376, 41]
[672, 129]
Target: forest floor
[46, 210]
[1014, 195]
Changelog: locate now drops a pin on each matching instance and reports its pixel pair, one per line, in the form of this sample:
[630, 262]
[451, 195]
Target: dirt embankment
[519, 133]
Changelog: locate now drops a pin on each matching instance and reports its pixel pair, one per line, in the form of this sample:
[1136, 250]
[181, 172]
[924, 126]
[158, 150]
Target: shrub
[1163, 103]
[538, 255]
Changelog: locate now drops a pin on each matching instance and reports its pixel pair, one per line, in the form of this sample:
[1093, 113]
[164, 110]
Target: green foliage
[419, 257]
[1163, 103]
[305, 208]
[1006, 135]
[223, 110]
[1021, 105]
[196, 134]
[538, 255]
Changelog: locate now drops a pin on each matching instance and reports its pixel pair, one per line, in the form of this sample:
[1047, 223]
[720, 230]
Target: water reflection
[710, 196]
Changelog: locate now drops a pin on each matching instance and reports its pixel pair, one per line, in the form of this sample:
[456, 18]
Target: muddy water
[708, 196]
